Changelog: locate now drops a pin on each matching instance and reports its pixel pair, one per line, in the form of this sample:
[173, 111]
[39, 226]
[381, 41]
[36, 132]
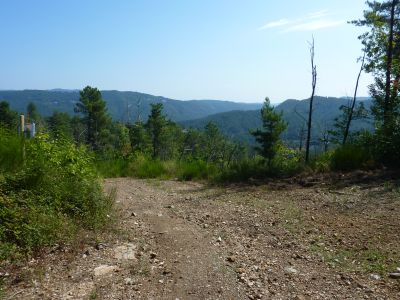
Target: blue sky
[182, 49]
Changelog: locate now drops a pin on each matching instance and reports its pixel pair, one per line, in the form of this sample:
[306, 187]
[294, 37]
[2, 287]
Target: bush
[11, 154]
[197, 169]
[350, 157]
[54, 192]
[243, 171]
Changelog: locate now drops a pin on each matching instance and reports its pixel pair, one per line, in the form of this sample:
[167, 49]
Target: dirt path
[178, 240]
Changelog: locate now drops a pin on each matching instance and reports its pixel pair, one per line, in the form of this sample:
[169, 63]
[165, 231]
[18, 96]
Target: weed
[93, 295]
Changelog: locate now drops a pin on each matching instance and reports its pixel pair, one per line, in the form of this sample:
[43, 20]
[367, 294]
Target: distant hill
[123, 106]
[237, 124]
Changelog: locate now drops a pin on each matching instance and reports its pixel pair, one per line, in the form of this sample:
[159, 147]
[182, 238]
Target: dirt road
[176, 240]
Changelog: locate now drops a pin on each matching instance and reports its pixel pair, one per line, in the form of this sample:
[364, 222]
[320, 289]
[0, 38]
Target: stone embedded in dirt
[290, 270]
[394, 275]
[104, 270]
[133, 214]
[100, 246]
[375, 277]
[219, 239]
[153, 255]
[125, 252]
[129, 281]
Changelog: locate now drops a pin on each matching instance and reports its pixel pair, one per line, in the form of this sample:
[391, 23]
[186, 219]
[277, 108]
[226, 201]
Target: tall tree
[60, 125]
[32, 112]
[156, 125]
[313, 85]
[95, 116]
[139, 139]
[272, 126]
[382, 47]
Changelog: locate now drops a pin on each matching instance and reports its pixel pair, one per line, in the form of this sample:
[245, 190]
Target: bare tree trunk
[353, 104]
[387, 105]
[313, 84]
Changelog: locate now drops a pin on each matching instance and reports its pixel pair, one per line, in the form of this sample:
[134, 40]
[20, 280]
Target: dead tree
[353, 104]
[313, 85]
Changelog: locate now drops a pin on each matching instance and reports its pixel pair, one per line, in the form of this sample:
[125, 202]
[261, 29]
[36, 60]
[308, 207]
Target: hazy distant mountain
[236, 124]
[122, 106]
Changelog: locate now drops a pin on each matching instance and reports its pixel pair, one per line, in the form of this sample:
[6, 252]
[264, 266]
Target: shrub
[54, 192]
[350, 157]
[11, 151]
[197, 169]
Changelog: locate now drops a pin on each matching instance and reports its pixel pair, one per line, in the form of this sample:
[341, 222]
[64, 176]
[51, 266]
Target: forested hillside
[122, 106]
[237, 124]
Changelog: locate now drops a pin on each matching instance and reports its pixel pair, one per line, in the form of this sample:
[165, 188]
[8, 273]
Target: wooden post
[22, 125]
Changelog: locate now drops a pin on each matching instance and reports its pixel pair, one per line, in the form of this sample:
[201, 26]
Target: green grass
[371, 260]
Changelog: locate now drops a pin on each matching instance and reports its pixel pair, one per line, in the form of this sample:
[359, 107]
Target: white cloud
[315, 25]
[281, 22]
[312, 21]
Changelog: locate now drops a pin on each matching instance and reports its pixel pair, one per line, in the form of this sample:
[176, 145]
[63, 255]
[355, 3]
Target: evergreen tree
[8, 117]
[268, 137]
[60, 125]
[95, 116]
[156, 125]
[139, 139]
[382, 48]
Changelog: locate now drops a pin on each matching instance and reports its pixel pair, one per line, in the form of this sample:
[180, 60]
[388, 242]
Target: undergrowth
[48, 191]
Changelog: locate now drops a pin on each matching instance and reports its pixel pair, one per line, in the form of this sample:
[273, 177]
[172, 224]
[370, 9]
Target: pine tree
[95, 116]
[268, 137]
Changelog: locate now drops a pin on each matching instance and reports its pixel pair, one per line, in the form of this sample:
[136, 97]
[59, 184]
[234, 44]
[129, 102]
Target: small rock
[394, 275]
[219, 239]
[375, 277]
[129, 281]
[100, 246]
[153, 255]
[104, 270]
[125, 252]
[161, 281]
[290, 270]
[133, 214]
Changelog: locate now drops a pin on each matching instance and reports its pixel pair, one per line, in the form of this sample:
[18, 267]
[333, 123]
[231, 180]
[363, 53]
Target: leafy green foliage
[350, 157]
[60, 125]
[8, 118]
[46, 195]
